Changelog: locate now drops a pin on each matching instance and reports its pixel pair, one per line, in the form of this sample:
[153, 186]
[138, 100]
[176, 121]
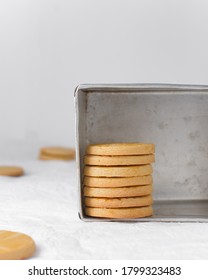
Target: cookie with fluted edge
[121, 202]
[118, 171]
[13, 171]
[15, 246]
[118, 160]
[118, 192]
[120, 213]
[107, 182]
[120, 149]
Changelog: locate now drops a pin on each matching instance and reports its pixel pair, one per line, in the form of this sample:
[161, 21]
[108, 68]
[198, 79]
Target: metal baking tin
[175, 118]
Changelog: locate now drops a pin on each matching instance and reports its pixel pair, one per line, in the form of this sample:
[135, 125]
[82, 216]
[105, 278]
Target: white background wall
[48, 47]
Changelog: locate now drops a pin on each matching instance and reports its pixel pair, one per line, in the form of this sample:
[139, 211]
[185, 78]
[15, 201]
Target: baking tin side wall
[81, 104]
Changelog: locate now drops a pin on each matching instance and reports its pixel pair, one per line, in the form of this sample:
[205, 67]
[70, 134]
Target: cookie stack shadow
[118, 180]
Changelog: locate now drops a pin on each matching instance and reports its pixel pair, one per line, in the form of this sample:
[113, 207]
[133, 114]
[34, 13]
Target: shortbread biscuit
[57, 153]
[118, 192]
[120, 149]
[43, 157]
[13, 171]
[118, 171]
[118, 160]
[120, 213]
[99, 182]
[122, 202]
[15, 245]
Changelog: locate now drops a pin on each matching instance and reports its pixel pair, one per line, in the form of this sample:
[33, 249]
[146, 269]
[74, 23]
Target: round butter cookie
[120, 213]
[121, 171]
[15, 246]
[61, 153]
[120, 149]
[118, 160]
[13, 171]
[43, 157]
[118, 192]
[118, 202]
[99, 182]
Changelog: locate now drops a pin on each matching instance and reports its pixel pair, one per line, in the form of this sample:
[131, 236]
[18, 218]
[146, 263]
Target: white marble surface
[44, 203]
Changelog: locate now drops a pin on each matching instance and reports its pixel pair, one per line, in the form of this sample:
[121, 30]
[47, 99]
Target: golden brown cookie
[99, 182]
[15, 246]
[57, 153]
[118, 160]
[121, 149]
[43, 157]
[120, 213]
[118, 192]
[122, 202]
[13, 171]
[118, 171]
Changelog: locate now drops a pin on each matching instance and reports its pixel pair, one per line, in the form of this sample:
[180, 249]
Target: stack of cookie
[118, 180]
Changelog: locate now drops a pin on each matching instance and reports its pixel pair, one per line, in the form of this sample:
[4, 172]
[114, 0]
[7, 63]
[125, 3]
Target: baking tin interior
[175, 119]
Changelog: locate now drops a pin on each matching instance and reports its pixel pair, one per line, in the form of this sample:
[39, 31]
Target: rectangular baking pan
[174, 118]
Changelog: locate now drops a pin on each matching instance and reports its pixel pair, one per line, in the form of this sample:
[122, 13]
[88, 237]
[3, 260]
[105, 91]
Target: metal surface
[175, 118]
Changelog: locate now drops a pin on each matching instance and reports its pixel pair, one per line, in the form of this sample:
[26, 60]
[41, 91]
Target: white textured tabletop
[44, 204]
